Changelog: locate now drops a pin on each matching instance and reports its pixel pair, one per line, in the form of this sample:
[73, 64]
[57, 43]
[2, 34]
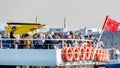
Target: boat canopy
[23, 28]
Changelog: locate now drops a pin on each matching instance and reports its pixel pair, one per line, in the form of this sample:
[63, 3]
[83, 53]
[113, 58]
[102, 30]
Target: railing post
[48, 46]
[32, 43]
[63, 43]
[1, 43]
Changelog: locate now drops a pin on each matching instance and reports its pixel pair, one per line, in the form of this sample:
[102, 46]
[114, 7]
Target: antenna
[65, 24]
[36, 20]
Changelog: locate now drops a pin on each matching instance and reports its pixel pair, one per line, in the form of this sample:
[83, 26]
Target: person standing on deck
[85, 40]
[38, 44]
[12, 36]
[27, 42]
[93, 40]
[80, 35]
[6, 42]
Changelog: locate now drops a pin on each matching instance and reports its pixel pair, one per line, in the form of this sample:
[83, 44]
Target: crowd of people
[48, 40]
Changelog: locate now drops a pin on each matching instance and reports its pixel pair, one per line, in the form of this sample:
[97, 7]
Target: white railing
[57, 43]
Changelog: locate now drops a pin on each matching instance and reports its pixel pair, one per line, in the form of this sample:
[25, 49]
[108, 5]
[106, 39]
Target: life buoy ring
[98, 55]
[103, 55]
[76, 54]
[92, 54]
[88, 53]
[107, 56]
[63, 54]
[83, 55]
[69, 54]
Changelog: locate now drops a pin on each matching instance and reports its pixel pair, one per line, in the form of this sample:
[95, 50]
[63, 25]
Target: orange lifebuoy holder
[82, 54]
[63, 54]
[89, 54]
[98, 55]
[76, 51]
[69, 54]
[92, 54]
[107, 56]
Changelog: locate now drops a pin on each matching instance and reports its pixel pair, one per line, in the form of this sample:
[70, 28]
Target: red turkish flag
[110, 25]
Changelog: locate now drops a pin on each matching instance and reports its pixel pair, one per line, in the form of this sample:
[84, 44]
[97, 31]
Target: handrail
[44, 39]
[63, 41]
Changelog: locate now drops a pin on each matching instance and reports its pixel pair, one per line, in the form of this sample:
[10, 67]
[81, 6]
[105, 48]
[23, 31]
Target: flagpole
[100, 37]
[105, 21]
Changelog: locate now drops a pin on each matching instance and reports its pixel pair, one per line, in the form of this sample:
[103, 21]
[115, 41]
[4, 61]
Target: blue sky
[79, 13]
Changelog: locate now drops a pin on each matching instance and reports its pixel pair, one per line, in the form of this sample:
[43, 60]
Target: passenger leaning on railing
[81, 38]
[80, 35]
[77, 40]
[57, 43]
[6, 42]
[53, 42]
[38, 42]
[27, 42]
[85, 40]
[47, 43]
[70, 36]
[21, 42]
[62, 36]
[93, 40]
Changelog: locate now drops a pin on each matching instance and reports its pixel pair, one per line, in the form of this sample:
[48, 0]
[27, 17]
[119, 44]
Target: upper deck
[50, 55]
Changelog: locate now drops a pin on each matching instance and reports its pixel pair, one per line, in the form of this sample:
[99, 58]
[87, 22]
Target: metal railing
[41, 43]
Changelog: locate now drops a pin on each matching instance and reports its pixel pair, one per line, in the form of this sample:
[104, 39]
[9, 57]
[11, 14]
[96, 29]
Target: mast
[36, 20]
[65, 24]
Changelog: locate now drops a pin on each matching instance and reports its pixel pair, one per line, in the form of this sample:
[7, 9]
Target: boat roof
[23, 28]
[16, 23]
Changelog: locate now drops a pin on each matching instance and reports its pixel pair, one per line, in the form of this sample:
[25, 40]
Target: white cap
[52, 33]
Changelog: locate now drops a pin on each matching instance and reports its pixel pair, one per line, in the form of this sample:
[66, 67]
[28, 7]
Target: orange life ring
[98, 56]
[107, 56]
[76, 54]
[92, 54]
[63, 54]
[103, 55]
[88, 53]
[82, 54]
[69, 54]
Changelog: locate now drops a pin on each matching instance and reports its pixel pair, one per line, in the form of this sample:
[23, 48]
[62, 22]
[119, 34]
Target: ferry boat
[64, 56]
